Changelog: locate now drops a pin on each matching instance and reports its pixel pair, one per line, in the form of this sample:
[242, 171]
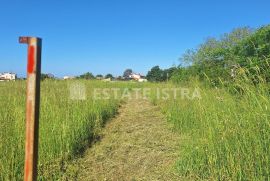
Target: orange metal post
[32, 106]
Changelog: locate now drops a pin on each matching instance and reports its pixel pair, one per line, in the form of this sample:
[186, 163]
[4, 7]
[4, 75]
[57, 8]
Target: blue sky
[108, 36]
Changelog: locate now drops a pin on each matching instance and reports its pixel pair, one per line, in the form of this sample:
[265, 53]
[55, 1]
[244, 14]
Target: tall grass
[66, 125]
[227, 133]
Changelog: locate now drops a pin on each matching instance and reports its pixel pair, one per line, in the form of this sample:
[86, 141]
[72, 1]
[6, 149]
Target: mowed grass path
[135, 145]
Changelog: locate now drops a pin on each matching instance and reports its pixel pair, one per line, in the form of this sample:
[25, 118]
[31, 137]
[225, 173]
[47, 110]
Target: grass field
[66, 125]
[226, 133]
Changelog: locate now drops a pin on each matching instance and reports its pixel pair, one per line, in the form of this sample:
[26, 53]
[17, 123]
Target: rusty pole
[32, 106]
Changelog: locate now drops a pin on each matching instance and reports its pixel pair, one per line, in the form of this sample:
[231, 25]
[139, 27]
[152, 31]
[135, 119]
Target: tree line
[242, 51]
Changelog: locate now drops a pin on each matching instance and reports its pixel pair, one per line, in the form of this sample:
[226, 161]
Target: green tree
[87, 75]
[127, 73]
[109, 76]
[155, 74]
[214, 58]
[168, 73]
[99, 76]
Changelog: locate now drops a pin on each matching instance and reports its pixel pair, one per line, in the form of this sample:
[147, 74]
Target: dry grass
[136, 145]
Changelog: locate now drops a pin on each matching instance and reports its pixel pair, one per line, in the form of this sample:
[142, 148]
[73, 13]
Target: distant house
[7, 76]
[138, 77]
[135, 76]
[68, 77]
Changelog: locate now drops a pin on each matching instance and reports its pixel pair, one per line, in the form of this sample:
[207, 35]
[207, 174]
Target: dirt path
[136, 145]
